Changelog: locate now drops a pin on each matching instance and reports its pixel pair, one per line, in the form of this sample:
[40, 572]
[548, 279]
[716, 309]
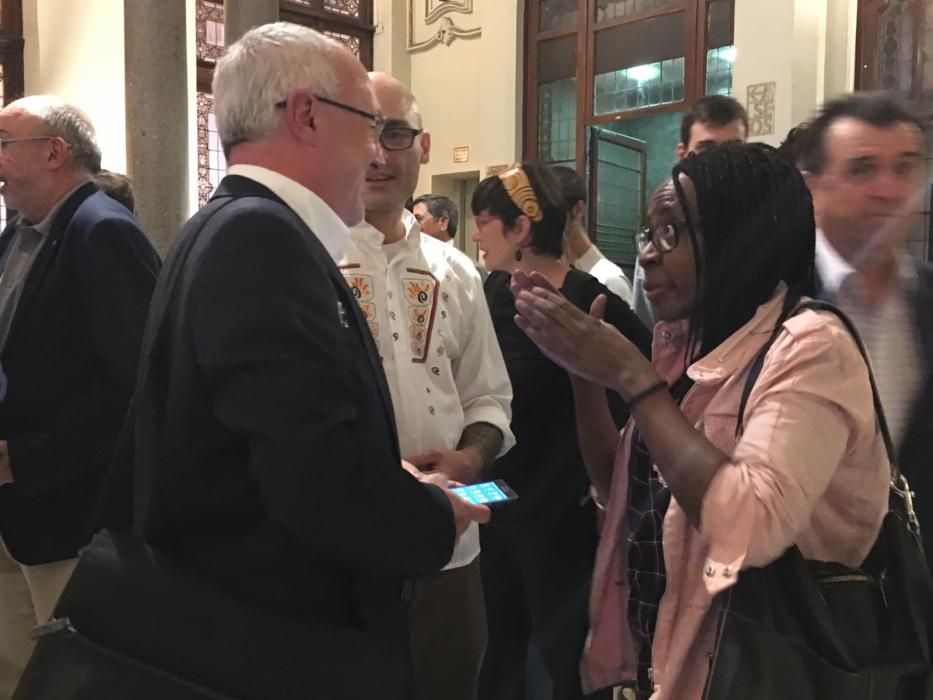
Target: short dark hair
[116, 186]
[572, 185]
[715, 110]
[756, 218]
[792, 146]
[547, 235]
[441, 207]
[879, 109]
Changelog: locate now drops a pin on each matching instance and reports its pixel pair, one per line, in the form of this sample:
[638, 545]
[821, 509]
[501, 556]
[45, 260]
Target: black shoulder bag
[807, 630]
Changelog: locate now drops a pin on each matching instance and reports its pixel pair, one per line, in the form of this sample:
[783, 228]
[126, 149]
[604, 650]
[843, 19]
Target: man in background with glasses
[267, 461]
[426, 309]
[76, 276]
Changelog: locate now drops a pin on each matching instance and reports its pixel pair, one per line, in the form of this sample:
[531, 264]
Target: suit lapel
[7, 236]
[349, 310]
[48, 254]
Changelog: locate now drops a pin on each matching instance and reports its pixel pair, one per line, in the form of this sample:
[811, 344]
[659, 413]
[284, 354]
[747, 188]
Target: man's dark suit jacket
[266, 455]
[916, 451]
[70, 360]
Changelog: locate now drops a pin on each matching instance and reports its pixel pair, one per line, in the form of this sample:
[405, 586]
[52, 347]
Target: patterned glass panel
[719, 70]
[557, 101]
[351, 42]
[211, 162]
[610, 9]
[720, 49]
[210, 30]
[351, 8]
[894, 62]
[640, 64]
[557, 14]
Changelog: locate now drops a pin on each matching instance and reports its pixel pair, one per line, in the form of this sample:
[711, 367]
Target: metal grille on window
[351, 8]
[211, 162]
[351, 42]
[210, 30]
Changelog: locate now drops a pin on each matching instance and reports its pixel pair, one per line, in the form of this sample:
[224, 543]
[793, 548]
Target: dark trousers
[447, 623]
[536, 579]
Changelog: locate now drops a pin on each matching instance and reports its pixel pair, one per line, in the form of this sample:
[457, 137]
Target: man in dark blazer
[863, 158]
[267, 461]
[76, 276]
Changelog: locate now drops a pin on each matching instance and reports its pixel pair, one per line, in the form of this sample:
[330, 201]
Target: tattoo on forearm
[484, 437]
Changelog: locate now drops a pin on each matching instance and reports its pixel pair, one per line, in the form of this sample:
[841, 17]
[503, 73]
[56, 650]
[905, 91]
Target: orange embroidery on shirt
[361, 286]
[421, 294]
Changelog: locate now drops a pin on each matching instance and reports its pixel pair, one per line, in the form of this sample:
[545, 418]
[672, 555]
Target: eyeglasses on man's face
[22, 139]
[377, 122]
[398, 137]
[664, 238]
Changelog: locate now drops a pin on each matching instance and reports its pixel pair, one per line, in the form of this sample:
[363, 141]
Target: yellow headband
[520, 191]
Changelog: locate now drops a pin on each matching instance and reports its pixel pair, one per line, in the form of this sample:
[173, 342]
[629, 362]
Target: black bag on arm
[133, 625]
[810, 630]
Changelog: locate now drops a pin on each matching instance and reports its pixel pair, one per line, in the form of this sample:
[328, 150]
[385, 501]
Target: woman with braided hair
[696, 492]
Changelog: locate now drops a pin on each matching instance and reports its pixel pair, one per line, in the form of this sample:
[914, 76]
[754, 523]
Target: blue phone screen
[486, 492]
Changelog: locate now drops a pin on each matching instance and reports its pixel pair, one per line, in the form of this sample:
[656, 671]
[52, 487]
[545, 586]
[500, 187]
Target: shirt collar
[834, 270]
[366, 233]
[44, 227]
[732, 354]
[311, 209]
[589, 259]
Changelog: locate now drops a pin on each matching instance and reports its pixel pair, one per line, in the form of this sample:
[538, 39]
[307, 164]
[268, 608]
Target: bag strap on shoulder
[899, 484]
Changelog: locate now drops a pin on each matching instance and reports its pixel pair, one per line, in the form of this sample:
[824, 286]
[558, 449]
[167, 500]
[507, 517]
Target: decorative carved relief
[760, 106]
[422, 36]
[433, 9]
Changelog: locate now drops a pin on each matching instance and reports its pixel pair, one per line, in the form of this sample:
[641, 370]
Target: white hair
[67, 122]
[261, 69]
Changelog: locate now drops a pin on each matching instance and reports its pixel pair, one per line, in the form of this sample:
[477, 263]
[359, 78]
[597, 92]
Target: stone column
[242, 15]
[157, 114]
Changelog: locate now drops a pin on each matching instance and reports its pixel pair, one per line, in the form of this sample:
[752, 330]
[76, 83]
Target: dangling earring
[518, 255]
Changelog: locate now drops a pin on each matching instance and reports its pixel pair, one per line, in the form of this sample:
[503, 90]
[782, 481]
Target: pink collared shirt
[810, 469]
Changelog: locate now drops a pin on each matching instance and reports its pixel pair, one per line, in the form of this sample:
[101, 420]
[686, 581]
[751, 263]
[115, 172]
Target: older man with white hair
[76, 276]
[267, 461]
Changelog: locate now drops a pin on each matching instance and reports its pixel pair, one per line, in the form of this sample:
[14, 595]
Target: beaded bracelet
[642, 395]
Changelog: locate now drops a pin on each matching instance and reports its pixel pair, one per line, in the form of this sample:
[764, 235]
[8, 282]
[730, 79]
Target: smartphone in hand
[488, 493]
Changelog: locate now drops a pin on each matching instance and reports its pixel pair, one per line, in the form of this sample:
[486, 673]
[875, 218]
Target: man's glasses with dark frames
[376, 121]
[21, 139]
[391, 137]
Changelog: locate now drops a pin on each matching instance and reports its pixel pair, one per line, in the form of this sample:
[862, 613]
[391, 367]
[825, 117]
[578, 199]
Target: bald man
[76, 276]
[450, 390]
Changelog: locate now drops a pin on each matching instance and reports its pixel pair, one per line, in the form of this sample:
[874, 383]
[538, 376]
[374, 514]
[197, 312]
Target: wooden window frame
[11, 49]
[695, 49]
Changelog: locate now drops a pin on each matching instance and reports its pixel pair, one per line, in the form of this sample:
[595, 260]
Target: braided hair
[756, 218]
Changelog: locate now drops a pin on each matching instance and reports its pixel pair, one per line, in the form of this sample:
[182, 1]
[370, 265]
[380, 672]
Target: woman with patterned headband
[538, 553]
